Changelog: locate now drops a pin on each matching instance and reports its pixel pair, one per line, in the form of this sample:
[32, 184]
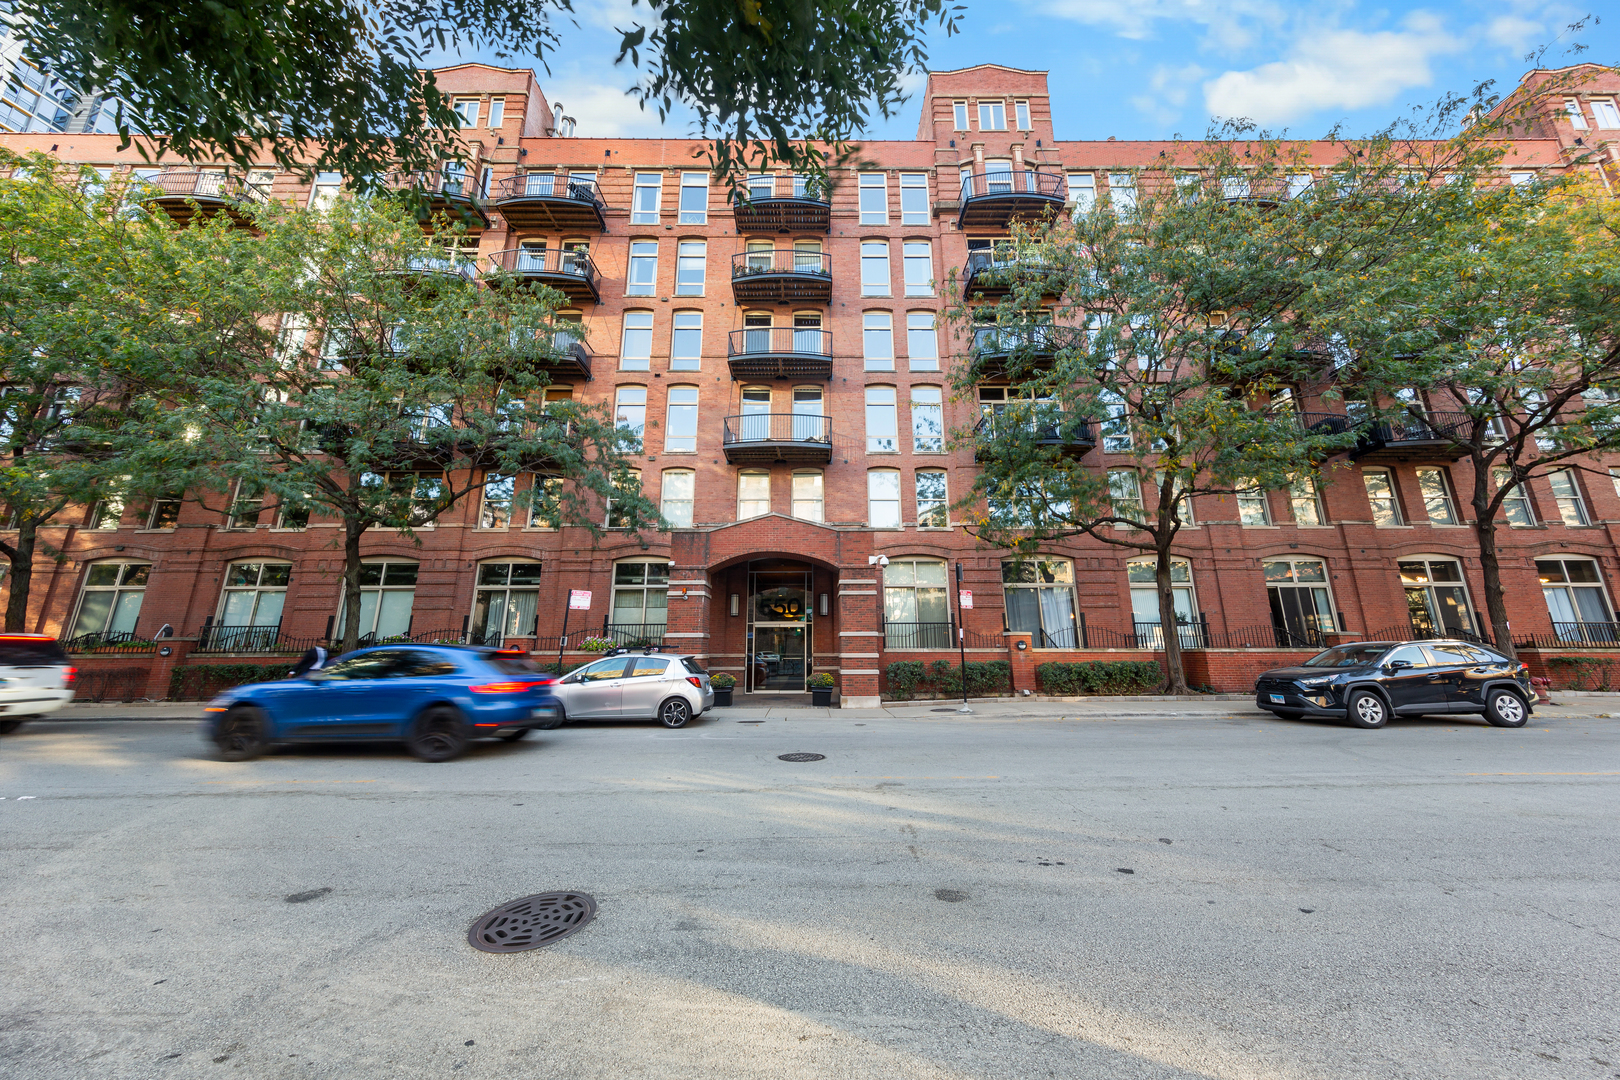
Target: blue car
[433, 698]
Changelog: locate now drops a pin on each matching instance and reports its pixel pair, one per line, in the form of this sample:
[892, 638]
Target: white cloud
[1137, 18]
[1515, 33]
[605, 111]
[1337, 70]
[1169, 87]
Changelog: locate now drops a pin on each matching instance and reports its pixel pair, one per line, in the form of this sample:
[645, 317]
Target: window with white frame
[914, 199]
[325, 189]
[254, 594]
[641, 597]
[877, 340]
[1516, 507]
[644, 198]
[497, 112]
[466, 111]
[1306, 501]
[1021, 113]
[874, 268]
[918, 268]
[1039, 599]
[959, 113]
[1083, 192]
[753, 493]
[874, 199]
[618, 517]
[686, 341]
[1381, 496]
[1122, 192]
[694, 208]
[809, 503]
[163, 513]
[1125, 493]
[881, 434]
[681, 420]
[110, 600]
[1576, 600]
[499, 491]
[105, 514]
[1567, 494]
[691, 260]
[1605, 113]
[1299, 184]
[922, 343]
[630, 414]
[933, 508]
[387, 595]
[1301, 603]
[927, 420]
[1142, 575]
[1254, 507]
[1573, 113]
[635, 348]
[1437, 499]
[507, 601]
[1116, 423]
[883, 498]
[291, 337]
[992, 116]
[642, 280]
[680, 486]
[545, 503]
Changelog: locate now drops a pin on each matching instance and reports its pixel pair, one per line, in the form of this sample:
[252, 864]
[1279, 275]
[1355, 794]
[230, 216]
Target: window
[1567, 493]
[933, 511]
[1572, 112]
[292, 514]
[686, 341]
[1437, 497]
[681, 420]
[1142, 574]
[163, 513]
[635, 349]
[630, 413]
[545, 502]
[1254, 508]
[694, 209]
[1436, 598]
[874, 268]
[466, 112]
[922, 345]
[1301, 606]
[690, 259]
[507, 602]
[643, 276]
[676, 503]
[808, 500]
[1605, 113]
[916, 604]
[992, 116]
[874, 195]
[877, 340]
[325, 189]
[617, 516]
[418, 495]
[1386, 510]
[1039, 594]
[914, 199]
[496, 512]
[254, 594]
[1234, 187]
[1021, 114]
[1576, 600]
[1299, 184]
[881, 434]
[387, 594]
[918, 267]
[291, 337]
[497, 112]
[640, 598]
[1125, 492]
[809, 422]
[106, 513]
[753, 494]
[883, 499]
[1116, 425]
[644, 198]
[1122, 192]
[762, 186]
[1305, 500]
[110, 602]
[959, 110]
[1516, 504]
[1082, 192]
[927, 420]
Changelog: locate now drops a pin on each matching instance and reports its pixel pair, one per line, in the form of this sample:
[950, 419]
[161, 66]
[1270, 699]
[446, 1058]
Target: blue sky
[1153, 68]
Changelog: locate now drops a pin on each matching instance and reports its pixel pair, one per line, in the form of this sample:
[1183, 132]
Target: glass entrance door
[779, 622]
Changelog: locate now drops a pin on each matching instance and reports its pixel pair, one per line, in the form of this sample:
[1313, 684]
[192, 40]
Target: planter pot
[722, 696]
[821, 697]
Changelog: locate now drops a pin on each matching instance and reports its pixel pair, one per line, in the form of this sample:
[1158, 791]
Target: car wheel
[675, 712]
[438, 735]
[1289, 714]
[555, 722]
[241, 734]
[514, 736]
[1367, 710]
[1504, 708]
[8, 726]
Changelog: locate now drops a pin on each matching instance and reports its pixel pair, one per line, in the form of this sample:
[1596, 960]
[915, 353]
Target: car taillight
[507, 687]
[695, 681]
[68, 675]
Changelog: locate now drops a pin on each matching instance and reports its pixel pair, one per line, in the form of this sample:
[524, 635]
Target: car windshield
[1349, 655]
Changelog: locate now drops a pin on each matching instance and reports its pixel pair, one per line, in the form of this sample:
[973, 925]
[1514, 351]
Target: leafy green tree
[349, 368]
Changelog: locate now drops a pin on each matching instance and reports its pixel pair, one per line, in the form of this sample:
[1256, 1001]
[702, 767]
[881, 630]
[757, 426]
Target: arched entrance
[781, 626]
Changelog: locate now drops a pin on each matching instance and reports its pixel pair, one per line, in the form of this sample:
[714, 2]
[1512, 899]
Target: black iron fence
[222, 638]
[780, 340]
[778, 427]
[634, 635]
[107, 643]
[1014, 182]
[1413, 632]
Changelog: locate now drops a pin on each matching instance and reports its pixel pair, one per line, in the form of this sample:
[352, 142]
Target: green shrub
[196, 682]
[904, 676]
[1099, 677]
[944, 678]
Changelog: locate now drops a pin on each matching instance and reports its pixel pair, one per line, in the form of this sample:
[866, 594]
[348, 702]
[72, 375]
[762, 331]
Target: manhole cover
[532, 922]
[800, 757]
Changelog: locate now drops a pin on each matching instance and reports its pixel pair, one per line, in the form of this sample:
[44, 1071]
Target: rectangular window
[808, 500]
[686, 341]
[1516, 504]
[616, 517]
[922, 345]
[1083, 191]
[753, 494]
[544, 502]
[760, 187]
[643, 276]
[1122, 192]
[1386, 508]
[1299, 184]
[694, 198]
[106, 513]
[1436, 497]
[927, 420]
[466, 113]
[881, 436]
[676, 504]
[932, 510]
[883, 499]
[1116, 425]
[630, 414]
[1254, 508]
[918, 266]
[163, 513]
[1021, 109]
[1606, 115]
[1305, 500]
[635, 353]
[497, 112]
[992, 116]
[874, 189]
[1125, 492]
[497, 509]
[874, 268]
[1572, 110]
[959, 110]
[1567, 493]
[680, 425]
[1521, 179]
[644, 200]
[877, 340]
[914, 198]
[325, 190]
[690, 259]
[290, 341]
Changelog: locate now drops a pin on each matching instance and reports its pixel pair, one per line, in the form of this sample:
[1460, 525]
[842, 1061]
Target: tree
[336, 84]
[349, 368]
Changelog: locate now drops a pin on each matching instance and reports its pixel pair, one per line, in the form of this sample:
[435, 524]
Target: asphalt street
[1006, 895]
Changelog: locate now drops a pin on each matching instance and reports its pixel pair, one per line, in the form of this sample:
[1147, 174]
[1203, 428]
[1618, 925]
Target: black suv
[1370, 681]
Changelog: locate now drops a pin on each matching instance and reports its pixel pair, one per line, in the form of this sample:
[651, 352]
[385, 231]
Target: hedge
[907, 677]
[194, 682]
[1099, 677]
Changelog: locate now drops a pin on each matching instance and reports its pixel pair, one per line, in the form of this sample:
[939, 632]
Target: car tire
[242, 732]
[516, 736]
[439, 734]
[1504, 708]
[556, 722]
[1367, 710]
[8, 726]
[674, 712]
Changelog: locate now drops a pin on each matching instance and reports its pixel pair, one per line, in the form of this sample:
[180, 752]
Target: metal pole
[961, 637]
[560, 641]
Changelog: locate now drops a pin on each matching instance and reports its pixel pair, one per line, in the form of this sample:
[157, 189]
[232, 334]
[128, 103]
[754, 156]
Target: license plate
[1278, 698]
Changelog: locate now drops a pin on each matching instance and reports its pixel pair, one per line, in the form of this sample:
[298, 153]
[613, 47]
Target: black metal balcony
[783, 276]
[441, 266]
[571, 273]
[1071, 437]
[778, 438]
[798, 213]
[996, 200]
[576, 360]
[550, 201]
[451, 195]
[187, 195]
[1413, 439]
[995, 273]
[998, 350]
[780, 352]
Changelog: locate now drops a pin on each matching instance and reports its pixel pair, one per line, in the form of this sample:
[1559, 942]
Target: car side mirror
[1398, 665]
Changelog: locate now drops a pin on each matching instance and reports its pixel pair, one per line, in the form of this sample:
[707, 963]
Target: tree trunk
[22, 574]
[1491, 567]
[352, 531]
[1175, 675]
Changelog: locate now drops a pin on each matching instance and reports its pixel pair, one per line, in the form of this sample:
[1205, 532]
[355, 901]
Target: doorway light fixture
[736, 604]
[823, 608]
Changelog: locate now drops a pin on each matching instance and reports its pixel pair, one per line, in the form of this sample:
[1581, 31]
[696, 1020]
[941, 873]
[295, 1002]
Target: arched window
[677, 497]
[916, 605]
[753, 493]
[1301, 602]
[1039, 594]
[1436, 597]
[808, 500]
[110, 601]
[506, 602]
[681, 420]
[640, 600]
[1576, 600]
[883, 498]
[387, 593]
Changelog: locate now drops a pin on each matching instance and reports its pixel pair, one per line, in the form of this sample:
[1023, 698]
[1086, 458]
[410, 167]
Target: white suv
[637, 685]
[35, 678]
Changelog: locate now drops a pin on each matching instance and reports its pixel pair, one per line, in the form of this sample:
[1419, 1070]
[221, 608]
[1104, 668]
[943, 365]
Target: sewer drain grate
[532, 922]
[800, 757]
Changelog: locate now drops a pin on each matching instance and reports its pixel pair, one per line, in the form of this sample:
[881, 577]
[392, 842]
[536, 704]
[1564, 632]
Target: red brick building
[788, 366]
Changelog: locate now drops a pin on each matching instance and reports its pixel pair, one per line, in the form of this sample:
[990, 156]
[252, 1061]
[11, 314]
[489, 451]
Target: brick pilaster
[860, 638]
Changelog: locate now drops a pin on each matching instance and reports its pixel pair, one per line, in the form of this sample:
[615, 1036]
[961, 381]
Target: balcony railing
[782, 276]
[459, 266]
[995, 199]
[570, 272]
[454, 194]
[997, 348]
[919, 635]
[995, 273]
[107, 643]
[183, 195]
[634, 635]
[221, 638]
[769, 438]
[541, 200]
[759, 209]
[1072, 436]
[780, 352]
[1428, 437]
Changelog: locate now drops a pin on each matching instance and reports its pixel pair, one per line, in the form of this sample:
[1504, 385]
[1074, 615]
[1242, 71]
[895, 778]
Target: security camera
[877, 560]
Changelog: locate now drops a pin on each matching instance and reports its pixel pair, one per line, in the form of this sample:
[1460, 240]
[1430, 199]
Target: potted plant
[821, 688]
[722, 684]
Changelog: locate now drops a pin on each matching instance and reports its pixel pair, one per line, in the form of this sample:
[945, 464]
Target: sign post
[579, 599]
[964, 600]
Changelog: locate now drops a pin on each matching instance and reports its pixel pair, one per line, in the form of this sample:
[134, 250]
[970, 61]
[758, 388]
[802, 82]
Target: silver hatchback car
[637, 686]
